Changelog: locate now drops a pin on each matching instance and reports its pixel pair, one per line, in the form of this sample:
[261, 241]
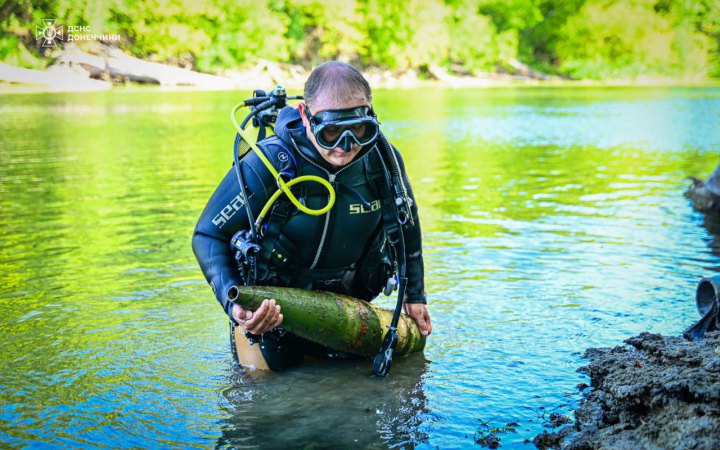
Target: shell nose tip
[707, 293]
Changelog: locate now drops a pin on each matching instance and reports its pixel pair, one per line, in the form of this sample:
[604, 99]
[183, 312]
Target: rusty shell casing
[340, 322]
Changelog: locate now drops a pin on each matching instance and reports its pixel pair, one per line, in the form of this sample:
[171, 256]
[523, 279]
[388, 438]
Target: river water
[553, 220]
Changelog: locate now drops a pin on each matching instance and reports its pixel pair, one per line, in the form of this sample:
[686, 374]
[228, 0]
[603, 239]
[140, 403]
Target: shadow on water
[335, 405]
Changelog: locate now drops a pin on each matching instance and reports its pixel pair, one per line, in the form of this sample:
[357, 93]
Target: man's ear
[302, 108]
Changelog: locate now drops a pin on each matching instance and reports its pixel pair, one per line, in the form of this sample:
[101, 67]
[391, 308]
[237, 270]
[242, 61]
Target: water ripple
[553, 221]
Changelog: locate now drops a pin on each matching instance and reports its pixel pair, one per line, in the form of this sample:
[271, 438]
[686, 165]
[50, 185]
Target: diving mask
[342, 127]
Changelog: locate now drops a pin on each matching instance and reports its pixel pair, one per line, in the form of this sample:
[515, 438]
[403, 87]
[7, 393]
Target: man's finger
[423, 326]
[270, 317]
[237, 313]
[265, 321]
[279, 321]
[256, 317]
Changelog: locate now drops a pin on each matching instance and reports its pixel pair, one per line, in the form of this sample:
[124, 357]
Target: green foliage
[626, 39]
[14, 52]
[13, 46]
[242, 31]
[704, 15]
[158, 30]
[511, 14]
[473, 38]
[404, 34]
[320, 30]
[537, 45]
[577, 38]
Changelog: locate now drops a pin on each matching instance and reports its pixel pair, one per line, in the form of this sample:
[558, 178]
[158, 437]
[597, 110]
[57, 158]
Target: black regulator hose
[383, 360]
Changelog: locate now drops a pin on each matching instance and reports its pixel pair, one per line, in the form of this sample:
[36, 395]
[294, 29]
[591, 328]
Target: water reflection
[323, 405]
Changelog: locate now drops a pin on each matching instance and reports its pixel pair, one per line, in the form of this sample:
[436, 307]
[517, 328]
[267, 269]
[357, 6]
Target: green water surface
[553, 220]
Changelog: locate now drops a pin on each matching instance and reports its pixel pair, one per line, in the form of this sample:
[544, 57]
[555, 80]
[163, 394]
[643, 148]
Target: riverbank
[103, 67]
[377, 80]
[656, 392]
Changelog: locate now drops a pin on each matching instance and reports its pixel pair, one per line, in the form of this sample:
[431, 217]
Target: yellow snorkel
[277, 98]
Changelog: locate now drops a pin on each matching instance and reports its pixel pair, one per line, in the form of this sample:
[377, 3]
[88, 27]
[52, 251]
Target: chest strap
[274, 223]
[378, 179]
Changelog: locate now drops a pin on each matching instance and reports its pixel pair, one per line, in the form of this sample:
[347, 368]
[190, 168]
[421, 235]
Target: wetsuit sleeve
[415, 271]
[223, 216]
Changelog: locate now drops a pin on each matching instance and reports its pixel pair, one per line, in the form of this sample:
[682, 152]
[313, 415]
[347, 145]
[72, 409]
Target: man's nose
[353, 148]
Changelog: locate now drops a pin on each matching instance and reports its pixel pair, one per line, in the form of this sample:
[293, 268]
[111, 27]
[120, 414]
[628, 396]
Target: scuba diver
[366, 241]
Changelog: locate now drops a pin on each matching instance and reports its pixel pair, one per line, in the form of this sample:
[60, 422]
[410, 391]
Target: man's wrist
[416, 298]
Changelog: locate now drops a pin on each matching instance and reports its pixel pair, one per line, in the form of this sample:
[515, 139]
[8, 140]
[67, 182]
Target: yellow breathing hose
[283, 187]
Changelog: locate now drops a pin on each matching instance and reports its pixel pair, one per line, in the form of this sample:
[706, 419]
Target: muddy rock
[703, 199]
[556, 420]
[655, 392]
[551, 440]
[705, 195]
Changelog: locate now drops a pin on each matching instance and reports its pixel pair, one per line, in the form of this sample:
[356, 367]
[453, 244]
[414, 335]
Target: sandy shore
[103, 67]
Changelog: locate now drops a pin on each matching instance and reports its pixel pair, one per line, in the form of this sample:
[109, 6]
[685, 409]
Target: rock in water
[657, 392]
[337, 321]
[705, 195]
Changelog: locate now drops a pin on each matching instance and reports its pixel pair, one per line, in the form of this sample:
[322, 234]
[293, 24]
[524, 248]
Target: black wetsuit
[342, 251]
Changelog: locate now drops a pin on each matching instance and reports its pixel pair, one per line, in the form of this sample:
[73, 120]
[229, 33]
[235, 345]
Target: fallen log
[56, 79]
[121, 65]
[443, 76]
[523, 70]
[112, 63]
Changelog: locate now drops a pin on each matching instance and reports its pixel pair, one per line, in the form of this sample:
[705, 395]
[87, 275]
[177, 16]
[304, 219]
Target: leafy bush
[579, 38]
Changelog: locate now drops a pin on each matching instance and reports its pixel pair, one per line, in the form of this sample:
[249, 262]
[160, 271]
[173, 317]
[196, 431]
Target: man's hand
[260, 321]
[419, 313]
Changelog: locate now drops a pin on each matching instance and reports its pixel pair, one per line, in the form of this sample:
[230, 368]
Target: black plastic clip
[245, 255]
[383, 360]
[243, 244]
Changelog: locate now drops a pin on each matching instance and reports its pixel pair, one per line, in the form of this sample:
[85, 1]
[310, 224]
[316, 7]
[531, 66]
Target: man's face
[336, 157]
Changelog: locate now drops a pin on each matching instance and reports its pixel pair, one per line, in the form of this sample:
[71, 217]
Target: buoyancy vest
[343, 251]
